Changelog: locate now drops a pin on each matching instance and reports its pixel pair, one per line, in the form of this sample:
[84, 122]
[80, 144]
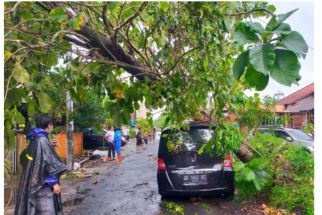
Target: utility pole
[70, 132]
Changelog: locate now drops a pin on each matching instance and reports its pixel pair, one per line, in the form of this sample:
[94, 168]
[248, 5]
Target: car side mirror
[289, 139]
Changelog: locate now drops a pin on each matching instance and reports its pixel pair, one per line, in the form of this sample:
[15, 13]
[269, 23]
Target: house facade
[298, 107]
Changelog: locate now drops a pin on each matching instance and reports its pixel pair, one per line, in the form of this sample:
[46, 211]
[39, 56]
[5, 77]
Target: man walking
[39, 189]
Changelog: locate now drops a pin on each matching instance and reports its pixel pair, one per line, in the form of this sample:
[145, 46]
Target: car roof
[194, 124]
[277, 129]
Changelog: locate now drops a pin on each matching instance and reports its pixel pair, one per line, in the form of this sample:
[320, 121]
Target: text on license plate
[194, 179]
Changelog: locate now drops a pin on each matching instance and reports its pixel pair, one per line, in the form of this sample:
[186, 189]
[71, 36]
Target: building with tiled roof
[299, 106]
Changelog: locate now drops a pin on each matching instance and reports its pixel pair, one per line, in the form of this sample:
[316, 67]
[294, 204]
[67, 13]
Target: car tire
[165, 197]
[228, 194]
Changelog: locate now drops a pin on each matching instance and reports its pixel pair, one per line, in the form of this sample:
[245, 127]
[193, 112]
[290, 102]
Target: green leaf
[262, 58]
[205, 63]
[27, 15]
[45, 102]
[286, 67]
[283, 28]
[257, 164]
[112, 5]
[58, 14]
[250, 175]
[257, 185]
[238, 165]
[256, 79]
[78, 21]
[275, 21]
[164, 5]
[245, 174]
[20, 74]
[272, 8]
[244, 34]
[15, 97]
[296, 43]
[17, 117]
[240, 64]
[256, 27]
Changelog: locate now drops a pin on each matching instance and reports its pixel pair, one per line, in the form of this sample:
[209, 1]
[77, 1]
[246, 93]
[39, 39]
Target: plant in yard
[309, 128]
[294, 185]
[132, 132]
[282, 171]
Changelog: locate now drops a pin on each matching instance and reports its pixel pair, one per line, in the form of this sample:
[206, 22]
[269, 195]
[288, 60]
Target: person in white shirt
[109, 138]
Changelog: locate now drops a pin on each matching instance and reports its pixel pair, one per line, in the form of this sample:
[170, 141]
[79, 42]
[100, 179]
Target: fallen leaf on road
[94, 181]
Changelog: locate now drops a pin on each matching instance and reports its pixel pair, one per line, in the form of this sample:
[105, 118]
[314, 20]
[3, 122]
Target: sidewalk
[72, 184]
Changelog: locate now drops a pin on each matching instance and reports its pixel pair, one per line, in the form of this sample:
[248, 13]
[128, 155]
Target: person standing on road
[147, 135]
[39, 189]
[139, 140]
[118, 143]
[109, 138]
[154, 133]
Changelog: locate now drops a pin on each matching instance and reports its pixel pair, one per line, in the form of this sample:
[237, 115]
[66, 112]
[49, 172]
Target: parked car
[293, 136]
[185, 172]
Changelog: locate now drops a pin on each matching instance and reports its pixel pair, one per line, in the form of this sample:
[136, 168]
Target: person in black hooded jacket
[39, 189]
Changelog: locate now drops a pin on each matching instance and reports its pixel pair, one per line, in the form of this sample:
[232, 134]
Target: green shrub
[294, 188]
[284, 171]
[174, 208]
[309, 128]
[132, 132]
[252, 177]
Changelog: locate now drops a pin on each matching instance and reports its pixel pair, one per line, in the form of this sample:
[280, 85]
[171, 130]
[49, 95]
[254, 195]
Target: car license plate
[190, 180]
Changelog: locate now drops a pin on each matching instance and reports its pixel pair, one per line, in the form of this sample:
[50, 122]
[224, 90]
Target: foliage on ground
[174, 208]
[281, 170]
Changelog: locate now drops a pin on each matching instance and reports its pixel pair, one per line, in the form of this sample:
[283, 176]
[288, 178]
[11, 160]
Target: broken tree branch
[137, 13]
[249, 12]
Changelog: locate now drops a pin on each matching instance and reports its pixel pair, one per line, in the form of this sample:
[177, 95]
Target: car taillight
[228, 163]
[161, 164]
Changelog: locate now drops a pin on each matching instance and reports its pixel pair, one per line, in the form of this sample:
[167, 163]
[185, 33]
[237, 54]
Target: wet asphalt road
[131, 189]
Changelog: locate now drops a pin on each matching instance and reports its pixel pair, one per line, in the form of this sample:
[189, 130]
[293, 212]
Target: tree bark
[108, 49]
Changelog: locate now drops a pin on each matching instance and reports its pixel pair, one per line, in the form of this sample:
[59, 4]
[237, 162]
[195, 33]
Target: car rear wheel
[228, 194]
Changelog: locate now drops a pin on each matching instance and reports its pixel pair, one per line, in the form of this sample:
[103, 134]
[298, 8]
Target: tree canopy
[178, 55]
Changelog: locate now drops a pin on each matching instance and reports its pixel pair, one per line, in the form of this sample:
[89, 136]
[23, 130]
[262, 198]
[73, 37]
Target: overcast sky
[303, 22]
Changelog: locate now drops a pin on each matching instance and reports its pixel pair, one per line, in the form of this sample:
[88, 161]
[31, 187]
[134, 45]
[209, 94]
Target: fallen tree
[179, 55]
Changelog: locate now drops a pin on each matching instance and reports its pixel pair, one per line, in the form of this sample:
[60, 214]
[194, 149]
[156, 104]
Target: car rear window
[190, 140]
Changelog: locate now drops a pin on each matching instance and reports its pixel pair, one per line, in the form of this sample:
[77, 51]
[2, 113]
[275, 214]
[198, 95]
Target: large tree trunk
[115, 52]
[107, 48]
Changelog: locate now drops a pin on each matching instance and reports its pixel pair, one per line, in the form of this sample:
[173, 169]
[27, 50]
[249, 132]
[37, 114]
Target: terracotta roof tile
[300, 94]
